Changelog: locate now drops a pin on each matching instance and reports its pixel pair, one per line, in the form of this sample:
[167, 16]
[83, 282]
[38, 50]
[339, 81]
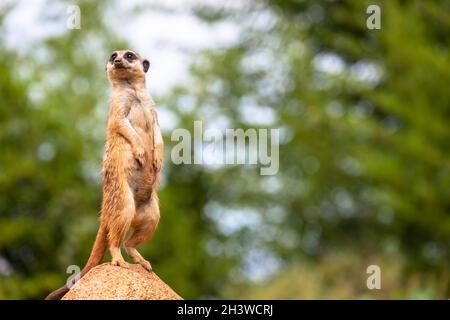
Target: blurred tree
[334, 277]
[364, 159]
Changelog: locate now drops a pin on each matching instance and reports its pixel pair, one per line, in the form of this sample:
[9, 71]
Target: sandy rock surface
[107, 282]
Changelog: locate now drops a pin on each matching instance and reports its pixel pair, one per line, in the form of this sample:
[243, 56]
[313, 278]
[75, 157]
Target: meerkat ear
[146, 65]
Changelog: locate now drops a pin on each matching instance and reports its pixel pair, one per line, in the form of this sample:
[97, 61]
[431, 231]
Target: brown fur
[132, 166]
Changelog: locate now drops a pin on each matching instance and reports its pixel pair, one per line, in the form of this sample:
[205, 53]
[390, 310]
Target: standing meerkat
[132, 166]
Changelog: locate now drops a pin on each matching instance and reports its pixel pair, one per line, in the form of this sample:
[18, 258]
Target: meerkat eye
[130, 56]
[113, 56]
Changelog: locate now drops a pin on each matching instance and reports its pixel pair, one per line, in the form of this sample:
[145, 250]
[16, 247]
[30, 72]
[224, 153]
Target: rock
[107, 282]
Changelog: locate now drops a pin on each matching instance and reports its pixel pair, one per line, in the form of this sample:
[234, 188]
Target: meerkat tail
[96, 256]
[98, 250]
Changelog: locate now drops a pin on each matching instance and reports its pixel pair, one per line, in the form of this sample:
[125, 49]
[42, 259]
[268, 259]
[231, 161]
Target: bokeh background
[364, 157]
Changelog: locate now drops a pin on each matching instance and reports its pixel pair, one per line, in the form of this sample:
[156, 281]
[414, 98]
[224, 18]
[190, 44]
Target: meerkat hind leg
[119, 224]
[144, 227]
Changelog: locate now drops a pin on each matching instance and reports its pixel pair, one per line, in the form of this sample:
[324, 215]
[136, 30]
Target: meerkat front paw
[157, 164]
[139, 155]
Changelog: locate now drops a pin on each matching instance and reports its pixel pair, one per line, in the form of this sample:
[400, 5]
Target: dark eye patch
[129, 56]
[113, 56]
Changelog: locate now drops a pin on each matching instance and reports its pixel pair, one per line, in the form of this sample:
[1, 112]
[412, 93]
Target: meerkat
[132, 165]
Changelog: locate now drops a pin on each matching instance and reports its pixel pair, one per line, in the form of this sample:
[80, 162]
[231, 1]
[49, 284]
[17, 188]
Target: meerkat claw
[147, 266]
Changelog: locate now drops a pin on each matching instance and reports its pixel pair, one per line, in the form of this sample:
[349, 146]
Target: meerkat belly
[141, 178]
[118, 160]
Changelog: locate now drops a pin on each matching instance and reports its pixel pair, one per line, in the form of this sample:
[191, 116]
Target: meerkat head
[126, 65]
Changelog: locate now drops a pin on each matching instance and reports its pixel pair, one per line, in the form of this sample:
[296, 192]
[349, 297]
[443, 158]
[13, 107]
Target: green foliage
[343, 276]
[365, 154]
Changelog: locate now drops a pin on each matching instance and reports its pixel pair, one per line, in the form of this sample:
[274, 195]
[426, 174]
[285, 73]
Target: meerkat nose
[118, 61]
